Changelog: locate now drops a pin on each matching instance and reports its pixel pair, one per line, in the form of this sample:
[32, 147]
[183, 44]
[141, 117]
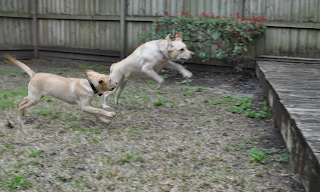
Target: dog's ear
[90, 73]
[178, 36]
[169, 42]
[103, 79]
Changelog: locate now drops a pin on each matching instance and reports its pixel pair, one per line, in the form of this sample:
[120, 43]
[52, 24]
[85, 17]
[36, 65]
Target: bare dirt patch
[189, 142]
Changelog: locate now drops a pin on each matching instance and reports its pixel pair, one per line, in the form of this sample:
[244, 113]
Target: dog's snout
[192, 56]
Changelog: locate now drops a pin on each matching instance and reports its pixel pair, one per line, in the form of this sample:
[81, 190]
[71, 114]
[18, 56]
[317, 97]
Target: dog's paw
[112, 114]
[107, 122]
[187, 75]
[158, 86]
[105, 106]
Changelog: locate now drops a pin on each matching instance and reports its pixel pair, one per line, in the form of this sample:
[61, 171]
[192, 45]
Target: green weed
[17, 181]
[187, 92]
[134, 102]
[132, 157]
[7, 145]
[165, 76]
[77, 128]
[44, 112]
[74, 118]
[255, 138]
[13, 74]
[86, 67]
[151, 82]
[257, 155]
[200, 89]
[35, 154]
[158, 92]
[244, 106]
[146, 98]
[47, 99]
[286, 156]
[6, 103]
[21, 91]
[159, 102]
[186, 81]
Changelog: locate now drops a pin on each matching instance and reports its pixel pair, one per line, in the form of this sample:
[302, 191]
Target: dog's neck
[159, 49]
[94, 88]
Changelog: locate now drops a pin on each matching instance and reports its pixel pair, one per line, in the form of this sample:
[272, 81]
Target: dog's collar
[160, 49]
[94, 88]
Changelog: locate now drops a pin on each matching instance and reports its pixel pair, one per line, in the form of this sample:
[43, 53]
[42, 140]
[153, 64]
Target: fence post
[123, 28]
[35, 27]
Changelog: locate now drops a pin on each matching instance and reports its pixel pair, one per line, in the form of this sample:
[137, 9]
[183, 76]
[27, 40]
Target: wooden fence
[107, 30]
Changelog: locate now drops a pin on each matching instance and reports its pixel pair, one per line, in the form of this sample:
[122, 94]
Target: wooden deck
[293, 91]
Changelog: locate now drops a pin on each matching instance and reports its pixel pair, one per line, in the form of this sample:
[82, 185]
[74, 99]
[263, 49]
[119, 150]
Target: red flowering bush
[228, 37]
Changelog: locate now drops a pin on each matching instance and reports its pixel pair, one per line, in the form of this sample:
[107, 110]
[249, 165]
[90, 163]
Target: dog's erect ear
[169, 42]
[178, 36]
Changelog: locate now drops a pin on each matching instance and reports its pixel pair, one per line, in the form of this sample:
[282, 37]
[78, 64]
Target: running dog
[147, 60]
[69, 90]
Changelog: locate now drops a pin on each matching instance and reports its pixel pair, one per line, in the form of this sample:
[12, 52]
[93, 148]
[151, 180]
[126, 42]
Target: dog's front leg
[85, 106]
[106, 96]
[172, 65]
[98, 117]
[93, 110]
[152, 74]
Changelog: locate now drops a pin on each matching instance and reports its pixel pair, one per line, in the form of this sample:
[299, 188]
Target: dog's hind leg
[119, 91]
[29, 101]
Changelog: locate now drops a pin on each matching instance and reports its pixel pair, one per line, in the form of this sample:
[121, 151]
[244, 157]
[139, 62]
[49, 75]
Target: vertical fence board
[311, 40]
[302, 38]
[293, 42]
[317, 46]
[285, 43]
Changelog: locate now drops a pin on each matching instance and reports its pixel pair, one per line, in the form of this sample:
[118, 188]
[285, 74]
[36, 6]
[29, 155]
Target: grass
[257, 155]
[187, 143]
[244, 106]
[35, 154]
[17, 182]
[187, 91]
[159, 102]
[201, 89]
[186, 81]
[130, 157]
[86, 67]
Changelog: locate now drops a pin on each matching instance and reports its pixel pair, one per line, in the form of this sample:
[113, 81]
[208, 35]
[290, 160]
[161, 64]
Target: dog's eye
[181, 49]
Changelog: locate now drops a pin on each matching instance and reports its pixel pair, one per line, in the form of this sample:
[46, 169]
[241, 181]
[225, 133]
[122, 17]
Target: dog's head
[177, 50]
[100, 81]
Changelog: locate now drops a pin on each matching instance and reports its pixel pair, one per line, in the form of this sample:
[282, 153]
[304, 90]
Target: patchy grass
[191, 142]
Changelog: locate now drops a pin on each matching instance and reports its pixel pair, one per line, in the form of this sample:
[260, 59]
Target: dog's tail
[21, 65]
